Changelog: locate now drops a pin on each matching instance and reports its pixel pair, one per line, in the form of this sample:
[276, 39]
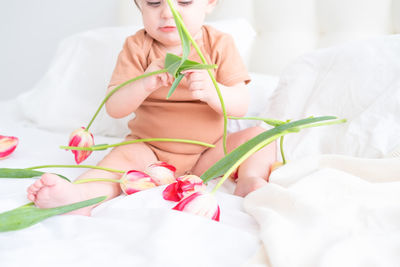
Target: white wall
[31, 29]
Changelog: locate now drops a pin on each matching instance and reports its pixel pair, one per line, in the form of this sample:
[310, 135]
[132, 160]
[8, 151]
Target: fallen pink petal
[134, 181]
[7, 145]
[200, 203]
[161, 172]
[81, 138]
[184, 186]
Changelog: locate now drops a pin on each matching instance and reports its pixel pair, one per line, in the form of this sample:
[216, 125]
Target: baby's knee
[254, 131]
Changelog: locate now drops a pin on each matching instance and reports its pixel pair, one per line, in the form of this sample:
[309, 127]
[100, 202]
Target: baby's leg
[253, 172]
[52, 191]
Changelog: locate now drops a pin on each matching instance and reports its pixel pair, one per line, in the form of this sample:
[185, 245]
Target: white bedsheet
[136, 230]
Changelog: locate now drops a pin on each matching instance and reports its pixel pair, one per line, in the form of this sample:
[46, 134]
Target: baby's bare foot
[247, 185]
[52, 191]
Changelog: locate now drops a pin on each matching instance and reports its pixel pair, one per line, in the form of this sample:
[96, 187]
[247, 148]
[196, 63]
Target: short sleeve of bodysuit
[132, 60]
[231, 68]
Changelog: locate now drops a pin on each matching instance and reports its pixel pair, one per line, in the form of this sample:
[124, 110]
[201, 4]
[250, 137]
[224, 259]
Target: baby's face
[159, 21]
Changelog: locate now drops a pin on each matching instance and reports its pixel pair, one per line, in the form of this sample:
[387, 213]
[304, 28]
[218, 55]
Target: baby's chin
[172, 40]
[170, 43]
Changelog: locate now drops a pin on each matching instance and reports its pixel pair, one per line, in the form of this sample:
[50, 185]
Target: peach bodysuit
[180, 116]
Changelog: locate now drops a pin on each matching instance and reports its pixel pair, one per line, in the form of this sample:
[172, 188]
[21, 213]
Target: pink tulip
[81, 138]
[184, 186]
[200, 203]
[161, 172]
[7, 145]
[135, 181]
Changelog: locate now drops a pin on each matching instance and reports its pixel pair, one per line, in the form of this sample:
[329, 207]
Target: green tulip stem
[102, 147]
[203, 59]
[271, 122]
[119, 87]
[281, 148]
[74, 166]
[82, 181]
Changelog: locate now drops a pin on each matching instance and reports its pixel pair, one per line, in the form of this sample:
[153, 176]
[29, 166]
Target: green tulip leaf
[22, 173]
[192, 65]
[174, 85]
[185, 40]
[28, 214]
[223, 165]
[174, 65]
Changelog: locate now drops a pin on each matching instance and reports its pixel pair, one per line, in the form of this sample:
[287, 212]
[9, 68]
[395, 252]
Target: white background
[31, 29]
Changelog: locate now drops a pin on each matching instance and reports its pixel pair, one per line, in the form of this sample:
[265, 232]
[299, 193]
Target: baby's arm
[127, 99]
[236, 97]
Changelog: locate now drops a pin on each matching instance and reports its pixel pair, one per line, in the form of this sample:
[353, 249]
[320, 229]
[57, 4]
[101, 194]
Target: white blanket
[329, 211]
[319, 211]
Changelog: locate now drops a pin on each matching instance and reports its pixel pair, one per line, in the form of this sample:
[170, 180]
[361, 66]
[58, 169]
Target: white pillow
[358, 81]
[261, 88]
[75, 84]
[242, 32]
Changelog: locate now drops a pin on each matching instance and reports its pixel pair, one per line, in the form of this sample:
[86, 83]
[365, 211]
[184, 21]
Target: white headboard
[289, 28]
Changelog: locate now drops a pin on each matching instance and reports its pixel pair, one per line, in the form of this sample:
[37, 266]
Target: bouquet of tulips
[189, 191]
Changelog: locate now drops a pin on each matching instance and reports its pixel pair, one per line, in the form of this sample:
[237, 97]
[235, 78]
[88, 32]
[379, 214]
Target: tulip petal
[81, 138]
[200, 203]
[215, 217]
[184, 186]
[161, 172]
[134, 181]
[7, 145]
[170, 192]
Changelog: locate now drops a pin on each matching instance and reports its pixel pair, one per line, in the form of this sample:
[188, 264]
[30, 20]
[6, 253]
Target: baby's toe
[49, 179]
[43, 195]
[35, 187]
[31, 197]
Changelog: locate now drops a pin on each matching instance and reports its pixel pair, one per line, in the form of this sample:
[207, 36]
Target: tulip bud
[81, 138]
[7, 145]
[184, 186]
[200, 203]
[161, 172]
[135, 181]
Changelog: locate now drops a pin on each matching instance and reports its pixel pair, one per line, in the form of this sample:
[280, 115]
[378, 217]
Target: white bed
[336, 203]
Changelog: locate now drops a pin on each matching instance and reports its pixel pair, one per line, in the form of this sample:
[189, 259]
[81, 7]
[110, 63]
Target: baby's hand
[200, 85]
[154, 82]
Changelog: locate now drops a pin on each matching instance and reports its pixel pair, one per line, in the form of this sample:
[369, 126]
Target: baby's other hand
[201, 85]
[154, 82]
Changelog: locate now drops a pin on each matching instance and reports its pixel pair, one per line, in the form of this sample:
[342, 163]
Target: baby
[192, 112]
